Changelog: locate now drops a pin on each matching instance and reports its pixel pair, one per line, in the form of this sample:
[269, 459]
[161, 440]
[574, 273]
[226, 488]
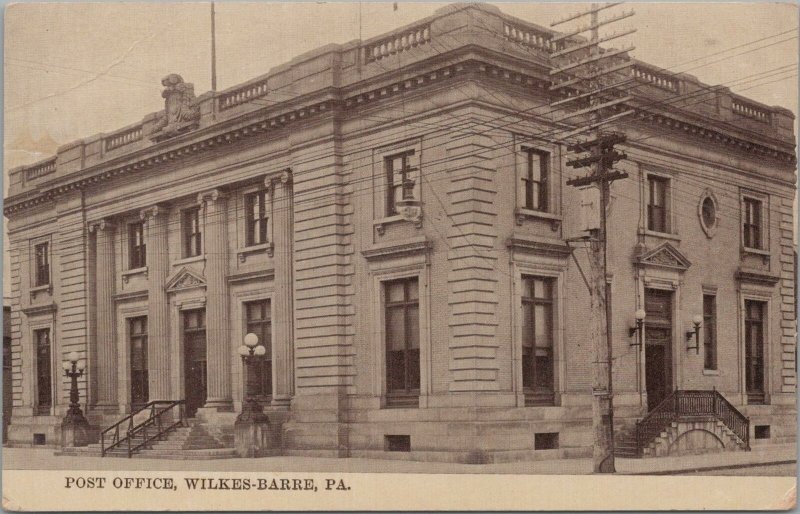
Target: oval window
[708, 214]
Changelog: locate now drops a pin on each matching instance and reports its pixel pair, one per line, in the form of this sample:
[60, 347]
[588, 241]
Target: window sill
[380, 224]
[755, 251]
[711, 372]
[259, 248]
[662, 235]
[127, 274]
[189, 260]
[37, 289]
[522, 214]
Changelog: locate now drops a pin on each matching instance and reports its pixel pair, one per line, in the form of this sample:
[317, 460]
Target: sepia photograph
[399, 256]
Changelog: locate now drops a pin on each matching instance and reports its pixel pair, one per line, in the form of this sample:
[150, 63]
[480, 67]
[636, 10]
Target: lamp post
[251, 408]
[638, 328]
[697, 320]
[251, 431]
[74, 427]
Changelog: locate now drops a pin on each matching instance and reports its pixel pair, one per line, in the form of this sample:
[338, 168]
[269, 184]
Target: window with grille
[710, 331]
[537, 340]
[535, 179]
[137, 335]
[42, 264]
[751, 229]
[255, 205]
[192, 237]
[401, 304]
[258, 320]
[137, 249]
[44, 378]
[657, 207]
[402, 181]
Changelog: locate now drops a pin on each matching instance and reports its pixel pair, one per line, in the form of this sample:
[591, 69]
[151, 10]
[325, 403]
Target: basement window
[39, 439]
[545, 441]
[397, 443]
[762, 431]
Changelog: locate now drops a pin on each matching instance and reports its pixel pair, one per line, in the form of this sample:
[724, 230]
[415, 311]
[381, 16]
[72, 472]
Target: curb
[714, 468]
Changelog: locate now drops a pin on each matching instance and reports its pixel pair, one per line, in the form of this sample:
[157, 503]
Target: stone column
[218, 344]
[283, 323]
[158, 347]
[106, 344]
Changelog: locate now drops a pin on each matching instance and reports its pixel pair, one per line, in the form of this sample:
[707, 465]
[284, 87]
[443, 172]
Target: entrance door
[658, 346]
[194, 360]
[754, 350]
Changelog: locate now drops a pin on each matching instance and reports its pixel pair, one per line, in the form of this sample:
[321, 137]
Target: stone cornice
[261, 121]
[552, 248]
[753, 276]
[395, 249]
[33, 310]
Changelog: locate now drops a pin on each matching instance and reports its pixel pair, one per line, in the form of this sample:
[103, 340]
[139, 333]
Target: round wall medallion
[707, 212]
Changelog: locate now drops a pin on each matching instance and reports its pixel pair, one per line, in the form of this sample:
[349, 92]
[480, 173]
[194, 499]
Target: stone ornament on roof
[181, 111]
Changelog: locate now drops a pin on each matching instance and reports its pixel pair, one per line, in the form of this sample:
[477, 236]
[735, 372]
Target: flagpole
[213, 52]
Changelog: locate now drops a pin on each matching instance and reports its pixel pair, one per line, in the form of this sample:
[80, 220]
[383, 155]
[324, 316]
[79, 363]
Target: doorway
[658, 346]
[194, 360]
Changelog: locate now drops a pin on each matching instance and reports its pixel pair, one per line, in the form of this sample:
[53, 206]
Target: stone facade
[464, 96]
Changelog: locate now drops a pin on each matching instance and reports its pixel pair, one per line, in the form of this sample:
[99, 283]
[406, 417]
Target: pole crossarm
[595, 125]
[586, 13]
[593, 26]
[589, 60]
[572, 49]
[592, 76]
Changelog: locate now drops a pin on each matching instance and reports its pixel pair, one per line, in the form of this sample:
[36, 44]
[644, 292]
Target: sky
[73, 69]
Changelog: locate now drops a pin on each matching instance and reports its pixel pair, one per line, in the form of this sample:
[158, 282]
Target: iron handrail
[117, 440]
[155, 419]
[691, 403]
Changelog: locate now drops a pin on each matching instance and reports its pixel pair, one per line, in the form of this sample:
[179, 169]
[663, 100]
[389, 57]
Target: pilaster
[283, 333]
[218, 344]
[106, 346]
[158, 354]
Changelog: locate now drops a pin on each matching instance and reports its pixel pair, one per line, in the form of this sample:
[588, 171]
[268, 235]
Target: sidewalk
[30, 458]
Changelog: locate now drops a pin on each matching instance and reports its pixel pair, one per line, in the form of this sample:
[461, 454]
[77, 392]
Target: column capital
[100, 225]
[153, 211]
[211, 195]
[285, 177]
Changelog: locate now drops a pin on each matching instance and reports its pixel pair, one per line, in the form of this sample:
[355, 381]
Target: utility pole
[213, 50]
[589, 86]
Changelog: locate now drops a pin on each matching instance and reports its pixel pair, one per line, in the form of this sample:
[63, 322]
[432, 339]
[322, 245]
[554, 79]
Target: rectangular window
[137, 250]
[754, 350]
[401, 181]
[537, 340]
[401, 304]
[190, 226]
[535, 179]
[255, 206]
[752, 224]
[42, 271]
[657, 212]
[258, 319]
[44, 378]
[710, 331]
[137, 334]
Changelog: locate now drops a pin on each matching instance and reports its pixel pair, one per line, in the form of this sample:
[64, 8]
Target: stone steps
[194, 441]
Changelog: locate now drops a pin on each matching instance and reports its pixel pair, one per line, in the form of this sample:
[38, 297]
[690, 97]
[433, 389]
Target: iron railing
[158, 423]
[684, 404]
